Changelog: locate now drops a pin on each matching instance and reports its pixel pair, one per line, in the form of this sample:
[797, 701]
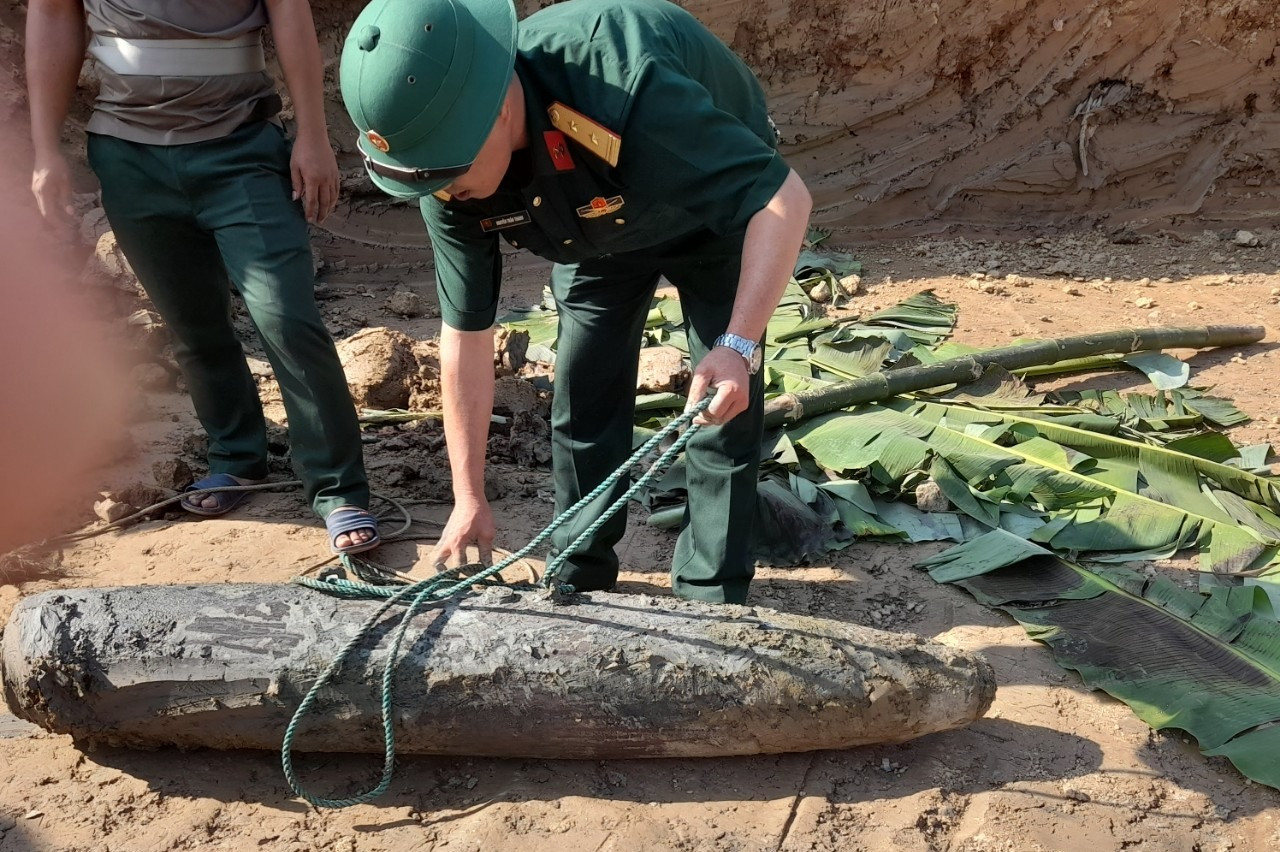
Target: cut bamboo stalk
[969, 368]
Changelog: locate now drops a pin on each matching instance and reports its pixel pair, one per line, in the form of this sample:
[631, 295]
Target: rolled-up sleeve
[468, 266]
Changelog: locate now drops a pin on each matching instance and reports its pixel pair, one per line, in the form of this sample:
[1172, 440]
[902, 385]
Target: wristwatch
[748, 349]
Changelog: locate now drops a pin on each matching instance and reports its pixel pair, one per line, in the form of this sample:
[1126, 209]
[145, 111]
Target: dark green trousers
[602, 307]
[190, 219]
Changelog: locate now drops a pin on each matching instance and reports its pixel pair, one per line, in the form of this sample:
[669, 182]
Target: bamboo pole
[969, 368]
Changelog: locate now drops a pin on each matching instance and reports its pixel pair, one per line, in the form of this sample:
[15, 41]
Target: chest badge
[558, 148]
[506, 220]
[600, 206]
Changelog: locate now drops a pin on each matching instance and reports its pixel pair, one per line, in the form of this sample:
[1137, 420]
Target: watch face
[756, 360]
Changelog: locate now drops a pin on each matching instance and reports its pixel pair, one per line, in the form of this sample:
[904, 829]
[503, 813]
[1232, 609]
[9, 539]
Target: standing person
[200, 186]
[623, 141]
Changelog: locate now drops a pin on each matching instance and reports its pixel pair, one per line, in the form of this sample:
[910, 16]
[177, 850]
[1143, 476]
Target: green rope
[446, 585]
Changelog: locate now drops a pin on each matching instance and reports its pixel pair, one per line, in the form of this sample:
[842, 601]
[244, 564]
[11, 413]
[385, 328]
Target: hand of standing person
[51, 185]
[315, 175]
[55, 42]
[313, 167]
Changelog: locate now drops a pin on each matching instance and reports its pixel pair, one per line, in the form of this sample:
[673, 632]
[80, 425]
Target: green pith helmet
[424, 80]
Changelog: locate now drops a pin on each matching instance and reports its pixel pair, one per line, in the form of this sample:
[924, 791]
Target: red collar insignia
[558, 148]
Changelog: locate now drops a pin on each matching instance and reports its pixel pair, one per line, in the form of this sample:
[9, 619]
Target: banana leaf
[1096, 492]
[1202, 456]
[1207, 665]
[1159, 412]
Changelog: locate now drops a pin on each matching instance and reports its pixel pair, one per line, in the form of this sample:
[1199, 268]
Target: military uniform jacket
[643, 128]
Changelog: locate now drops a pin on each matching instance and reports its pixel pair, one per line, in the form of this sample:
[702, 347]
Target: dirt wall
[916, 115]
[912, 116]
[907, 116]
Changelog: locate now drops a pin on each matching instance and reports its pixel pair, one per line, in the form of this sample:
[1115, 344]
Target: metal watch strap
[748, 349]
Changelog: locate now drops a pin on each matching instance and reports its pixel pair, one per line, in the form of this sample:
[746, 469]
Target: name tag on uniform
[506, 220]
[600, 206]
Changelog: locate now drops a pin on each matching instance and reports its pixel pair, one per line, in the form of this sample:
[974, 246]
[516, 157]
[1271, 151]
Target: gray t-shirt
[175, 110]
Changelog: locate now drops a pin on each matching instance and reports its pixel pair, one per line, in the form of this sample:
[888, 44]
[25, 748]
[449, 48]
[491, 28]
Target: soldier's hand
[314, 171]
[725, 371]
[470, 525]
[51, 185]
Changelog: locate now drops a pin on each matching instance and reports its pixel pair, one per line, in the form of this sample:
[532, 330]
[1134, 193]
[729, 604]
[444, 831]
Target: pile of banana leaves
[1047, 496]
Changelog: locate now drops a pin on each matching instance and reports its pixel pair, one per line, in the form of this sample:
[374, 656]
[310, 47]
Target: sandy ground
[1052, 767]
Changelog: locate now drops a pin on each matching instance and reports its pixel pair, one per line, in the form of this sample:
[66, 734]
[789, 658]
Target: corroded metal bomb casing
[501, 673]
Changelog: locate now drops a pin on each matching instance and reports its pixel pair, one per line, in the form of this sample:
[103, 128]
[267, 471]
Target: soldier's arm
[468, 281]
[466, 383]
[55, 43]
[314, 167]
[773, 238]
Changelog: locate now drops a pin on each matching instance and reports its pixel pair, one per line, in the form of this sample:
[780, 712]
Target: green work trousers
[192, 218]
[602, 304]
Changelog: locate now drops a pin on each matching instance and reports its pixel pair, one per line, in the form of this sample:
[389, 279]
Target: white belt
[180, 57]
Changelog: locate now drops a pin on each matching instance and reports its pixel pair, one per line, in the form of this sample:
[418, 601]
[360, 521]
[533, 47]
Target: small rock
[173, 474]
[820, 292]
[1144, 303]
[148, 330]
[1166, 280]
[259, 368]
[1245, 238]
[661, 369]
[406, 303]
[1193, 306]
[138, 495]
[94, 225]
[112, 510]
[851, 285]
[1017, 280]
[33, 814]
[1275, 291]
[108, 259]
[1071, 291]
[929, 497]
[151, 377]
[1144, 282]
[511, 349]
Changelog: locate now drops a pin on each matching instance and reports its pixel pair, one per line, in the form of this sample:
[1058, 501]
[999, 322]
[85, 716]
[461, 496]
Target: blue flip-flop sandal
[349, 519]
[226, 500]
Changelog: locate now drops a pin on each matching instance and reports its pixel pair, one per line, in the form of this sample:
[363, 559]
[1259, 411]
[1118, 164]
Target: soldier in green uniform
[624, 142]
[200, 185]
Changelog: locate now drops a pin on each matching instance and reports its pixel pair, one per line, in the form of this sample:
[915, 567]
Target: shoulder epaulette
[592, 135]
